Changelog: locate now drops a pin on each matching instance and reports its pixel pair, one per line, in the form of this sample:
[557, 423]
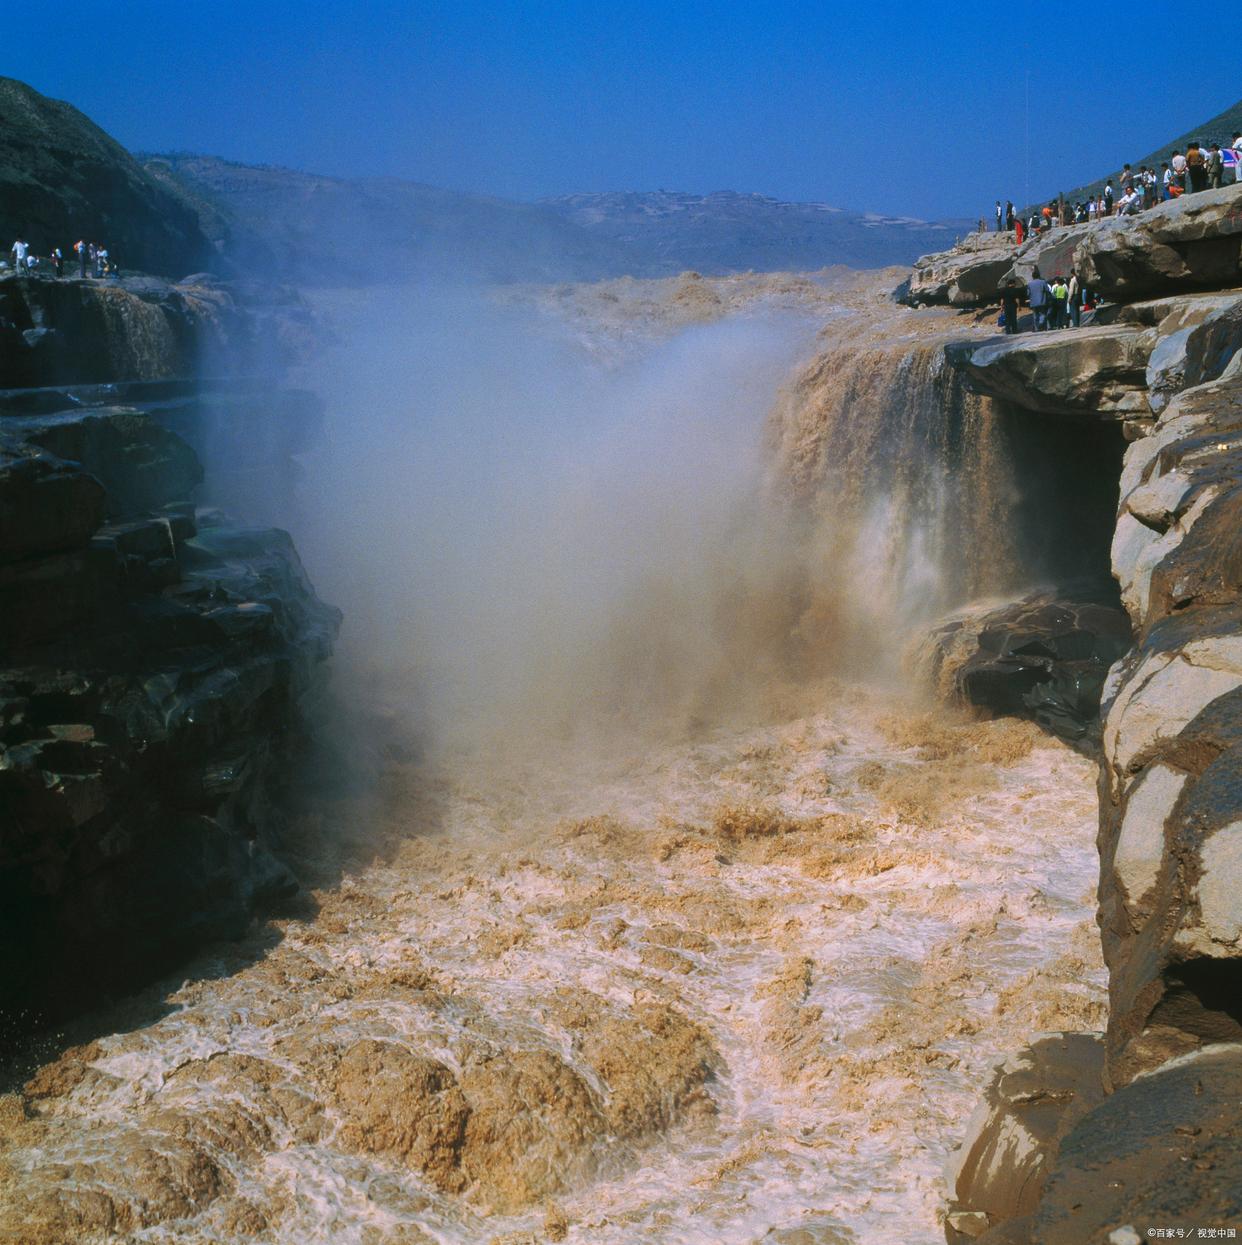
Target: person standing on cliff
[1060, 293]
[19, 250]
[1108, 198]
[58, 261]
[1074, 299]
[1011, 297]
[1000, 216]
[80, 247]
[1009, 215]
[1178, 163]
[1196, 168]
[1039, 295]
[1215, 167]
[1236, 147]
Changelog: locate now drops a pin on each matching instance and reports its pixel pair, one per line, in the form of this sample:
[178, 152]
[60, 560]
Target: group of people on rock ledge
[1199, 167]
[1055, 304]
[92, 259]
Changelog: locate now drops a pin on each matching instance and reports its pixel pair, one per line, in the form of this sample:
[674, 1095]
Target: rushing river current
[724, 965]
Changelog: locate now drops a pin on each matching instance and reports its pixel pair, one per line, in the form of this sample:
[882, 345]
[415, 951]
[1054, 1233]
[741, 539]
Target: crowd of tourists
[1055, 304]
[1200, 167]
[1061, 303]
[92, 260]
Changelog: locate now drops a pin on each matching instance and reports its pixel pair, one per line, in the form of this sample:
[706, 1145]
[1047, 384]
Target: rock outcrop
[1045, 657]
[1037, 1096]
[1161, 1146]
[967, 276]
[74, 332]
[1187, 243]
[154, 665]
[1093, 372]
[157, 659]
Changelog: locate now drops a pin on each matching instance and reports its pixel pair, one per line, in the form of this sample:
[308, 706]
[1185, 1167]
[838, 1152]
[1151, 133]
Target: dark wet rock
[1098, 373]
[156, 666]
[73, 331]
[1191, 242]
[1033, 1101]
[46, 504]
[1164, 1151]
[141, 465]
[1045, 657]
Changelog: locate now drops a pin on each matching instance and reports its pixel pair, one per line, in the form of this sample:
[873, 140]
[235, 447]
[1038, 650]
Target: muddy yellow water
[718, 985]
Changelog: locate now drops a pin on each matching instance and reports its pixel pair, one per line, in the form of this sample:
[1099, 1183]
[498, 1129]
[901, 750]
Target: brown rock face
[1166, 1150]
[1096, 373]
[1036, 1098]
[1191, 242]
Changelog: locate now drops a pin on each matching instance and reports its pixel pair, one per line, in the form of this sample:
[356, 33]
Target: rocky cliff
[1105, 1139]
[157, 657]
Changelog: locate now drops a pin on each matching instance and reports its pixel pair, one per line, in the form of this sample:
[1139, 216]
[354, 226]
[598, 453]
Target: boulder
[1191, 242]
[1194, 352]
[1051, 252]
[1165, 1151]
[1044, 657]
[1035, 1098]
[1095, 372]
[967, 276]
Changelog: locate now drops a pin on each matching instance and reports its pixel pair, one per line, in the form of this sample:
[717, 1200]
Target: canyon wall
[156, 656]
[1107, 1140]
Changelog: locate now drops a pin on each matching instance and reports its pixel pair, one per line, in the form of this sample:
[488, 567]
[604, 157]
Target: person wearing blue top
[1039, 295]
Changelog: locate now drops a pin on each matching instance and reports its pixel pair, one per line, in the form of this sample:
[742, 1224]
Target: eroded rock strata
[155, 656]
[1161, 1146]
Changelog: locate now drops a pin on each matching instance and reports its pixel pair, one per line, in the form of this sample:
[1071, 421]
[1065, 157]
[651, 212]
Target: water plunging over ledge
[662, 922]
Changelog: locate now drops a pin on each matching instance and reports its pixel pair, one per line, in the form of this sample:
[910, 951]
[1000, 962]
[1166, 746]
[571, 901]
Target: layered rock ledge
[158, 664]
[1147, 1135]
[1191, 243]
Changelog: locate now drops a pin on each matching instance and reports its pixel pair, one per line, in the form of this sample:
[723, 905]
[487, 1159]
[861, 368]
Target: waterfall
[901, 486]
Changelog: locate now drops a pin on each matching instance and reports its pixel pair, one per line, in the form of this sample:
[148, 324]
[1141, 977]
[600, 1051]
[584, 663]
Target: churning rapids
[655, 919]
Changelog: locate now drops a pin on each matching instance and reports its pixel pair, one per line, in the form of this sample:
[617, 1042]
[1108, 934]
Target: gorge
[701, 799]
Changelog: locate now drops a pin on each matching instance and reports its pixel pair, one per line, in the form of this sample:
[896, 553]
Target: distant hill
[327, 230]
[62, 178]
[321, 229]
[1220, 129]
[729, 232]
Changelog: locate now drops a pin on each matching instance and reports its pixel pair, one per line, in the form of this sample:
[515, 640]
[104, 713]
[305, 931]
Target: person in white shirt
[1237, 168]
[1179, 169]
[1091, 209]
[19, 251]
[1129, 203]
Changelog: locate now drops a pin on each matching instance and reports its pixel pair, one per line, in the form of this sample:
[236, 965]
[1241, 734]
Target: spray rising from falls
[670, 933]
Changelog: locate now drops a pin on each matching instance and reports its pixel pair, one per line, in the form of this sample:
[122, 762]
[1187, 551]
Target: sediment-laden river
[721, 966]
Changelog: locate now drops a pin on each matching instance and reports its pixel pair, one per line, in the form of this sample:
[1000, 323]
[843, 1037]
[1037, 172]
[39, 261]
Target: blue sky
[915, 109]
